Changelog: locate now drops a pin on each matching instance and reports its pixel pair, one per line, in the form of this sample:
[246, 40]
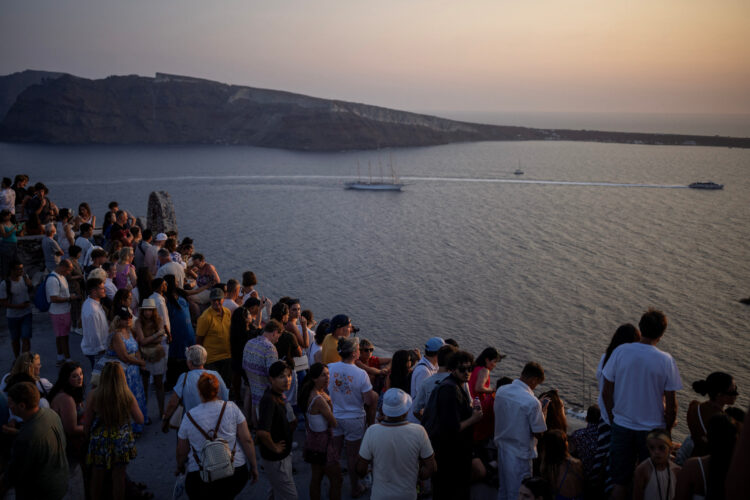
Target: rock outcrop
[171, 109]
[161, 217]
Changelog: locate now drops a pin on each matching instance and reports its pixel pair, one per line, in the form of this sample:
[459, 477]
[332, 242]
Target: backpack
[215, 460]
[40, 295]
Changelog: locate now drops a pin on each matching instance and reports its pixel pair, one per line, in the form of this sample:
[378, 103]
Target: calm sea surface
[543, 271]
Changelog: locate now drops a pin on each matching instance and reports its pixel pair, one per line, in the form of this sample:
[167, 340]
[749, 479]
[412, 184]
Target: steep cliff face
[12, 85]
[170, 109]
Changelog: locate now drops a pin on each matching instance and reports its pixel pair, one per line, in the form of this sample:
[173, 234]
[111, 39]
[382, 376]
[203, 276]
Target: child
[655, 478]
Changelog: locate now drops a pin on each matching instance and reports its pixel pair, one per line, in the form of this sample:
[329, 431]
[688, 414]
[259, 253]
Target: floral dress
[110, 446]
[133, 376]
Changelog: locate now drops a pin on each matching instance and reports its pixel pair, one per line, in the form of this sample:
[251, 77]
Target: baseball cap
[338, 321]
[434, 344]
[396, 402]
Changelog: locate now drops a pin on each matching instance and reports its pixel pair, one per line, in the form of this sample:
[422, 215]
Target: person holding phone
[519, 422]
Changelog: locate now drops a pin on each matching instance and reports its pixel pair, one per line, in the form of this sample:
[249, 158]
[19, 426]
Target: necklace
[658, 483]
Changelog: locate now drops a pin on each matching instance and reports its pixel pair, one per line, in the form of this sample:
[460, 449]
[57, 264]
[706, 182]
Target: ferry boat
[706, 185]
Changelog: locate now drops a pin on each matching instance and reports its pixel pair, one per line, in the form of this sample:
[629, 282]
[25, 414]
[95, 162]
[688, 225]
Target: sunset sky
[666, 56]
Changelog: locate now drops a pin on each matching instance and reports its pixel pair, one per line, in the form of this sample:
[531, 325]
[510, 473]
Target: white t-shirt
[19, 294]
[95, 327]
[518, 416]
[174, 269]
[600, 382]
[641, 374]
[110, 288]
[57, 287]
[347, 385]
[85, 245]
[423, 370]
[230, 304]
[395, 451]
[206, 415]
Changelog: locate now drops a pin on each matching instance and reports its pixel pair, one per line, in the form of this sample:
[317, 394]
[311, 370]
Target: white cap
[396, 403]
[161, 237]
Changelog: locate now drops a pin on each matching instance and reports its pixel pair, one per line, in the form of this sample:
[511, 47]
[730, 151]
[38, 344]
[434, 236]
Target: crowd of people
[234, 372]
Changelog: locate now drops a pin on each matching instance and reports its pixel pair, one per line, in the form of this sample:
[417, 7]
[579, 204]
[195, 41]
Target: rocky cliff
[170, 109]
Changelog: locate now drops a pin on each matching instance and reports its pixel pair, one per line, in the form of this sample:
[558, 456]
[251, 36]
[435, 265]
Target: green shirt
[38, 467]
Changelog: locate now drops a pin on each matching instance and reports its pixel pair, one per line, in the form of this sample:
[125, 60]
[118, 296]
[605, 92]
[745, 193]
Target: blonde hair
[112, 397]
[98, 273]
[117, 323]
[125, 254]
[25, 364]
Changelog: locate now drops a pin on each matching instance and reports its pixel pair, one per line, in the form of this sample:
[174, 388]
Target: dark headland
[56, 108]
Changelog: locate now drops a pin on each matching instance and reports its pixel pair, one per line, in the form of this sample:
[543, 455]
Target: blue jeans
[20, 328]
[627, 448]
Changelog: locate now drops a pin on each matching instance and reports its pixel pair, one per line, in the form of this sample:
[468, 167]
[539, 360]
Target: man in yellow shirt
[341, 327]
[212, 333]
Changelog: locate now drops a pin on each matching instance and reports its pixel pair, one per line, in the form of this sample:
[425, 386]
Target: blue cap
[338, 321]
[434, 344]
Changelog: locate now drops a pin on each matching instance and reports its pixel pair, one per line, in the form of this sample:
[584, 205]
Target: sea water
[543, 271]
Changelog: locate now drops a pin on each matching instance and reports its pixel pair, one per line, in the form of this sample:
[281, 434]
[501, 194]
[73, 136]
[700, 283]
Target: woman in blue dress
[183, 334]
[124, 347]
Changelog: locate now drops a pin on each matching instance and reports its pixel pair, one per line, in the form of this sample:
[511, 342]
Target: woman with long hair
[142, 289]
[240, 331]
[123, 298]
[30, 363]
[65, 236]
[125, 270]
[110, 409]
[563, 472]
[319, 451]
[722, 392]
[84, 216]
[556, 419]
[400, 375]
[66, 398]
[321, 331]
[152, 339]
[601, 479]
[124, 346]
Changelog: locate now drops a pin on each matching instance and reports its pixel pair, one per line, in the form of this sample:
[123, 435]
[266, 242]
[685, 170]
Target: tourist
[110, 271]
[38, 467]
[212, 332]
[535, 488]
[19, 186]
[66, 399]
[583, 442]
[110, 409]
[152, 254]
[248, 287]
[240, 331]
[120, 230]
[639, 395]
[519, 422]
[257, 357]
[123, 298]
[125, 270]
[160, 287]
[704, 477]
[400, 374]
[480, 386]
[399, 451]
[9, 231]
[141, 249]
[341, 327]
[602, 479]
[94, 322]
[297, 326]
[7, 196]
[84, 217]
[110, 216]
[375, 366]
[555, 417]
[316, 354]
[84, 242]
[168, 266]
[276, 424]
[29, 364]
[124, 347]
[722, 391]
[64, 230]
[562, 471]
[50, 248]
[227, 422]
[39, 205]
[152, 339]
[14, 296]
[59, 297]
[230, 299]
[449, 419]
[430, 383]
[76, 287]
[95, 259]
[171, 246]
[181, 331]
[427, 365]
[319, 451]
[206, 277]
[286, 347]
[186, 388]
[656, 477]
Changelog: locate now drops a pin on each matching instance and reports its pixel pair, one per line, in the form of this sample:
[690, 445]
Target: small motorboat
[705, 185]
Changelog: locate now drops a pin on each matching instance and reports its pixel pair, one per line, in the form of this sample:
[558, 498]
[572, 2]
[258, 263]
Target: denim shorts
[353, 429]
[20, 328]
[627, 449]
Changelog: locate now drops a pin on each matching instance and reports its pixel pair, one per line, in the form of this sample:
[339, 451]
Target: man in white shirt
[141, 248]
[519, 421]
[640, 384]
[109, 285]
[59, 297]
[233, 291]
[94, 322]
[426, 367]
[84, 242]
[151, 260]
[168, 266]
[350, 390]
[159, 286]
[430, 383]
[50, 248]
[14, 296]
[399, 451]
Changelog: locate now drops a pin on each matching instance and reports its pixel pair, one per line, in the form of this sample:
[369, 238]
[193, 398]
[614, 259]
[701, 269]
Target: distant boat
[518, 170]
[376, 185]
[706, 185]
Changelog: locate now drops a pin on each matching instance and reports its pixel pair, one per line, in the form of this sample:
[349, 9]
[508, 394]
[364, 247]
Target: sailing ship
[383, 184]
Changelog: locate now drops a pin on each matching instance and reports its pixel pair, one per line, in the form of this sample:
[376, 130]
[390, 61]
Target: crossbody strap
[183, 387]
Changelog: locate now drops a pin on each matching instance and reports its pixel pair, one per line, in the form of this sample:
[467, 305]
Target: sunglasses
[367, 349]
[464, 368]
